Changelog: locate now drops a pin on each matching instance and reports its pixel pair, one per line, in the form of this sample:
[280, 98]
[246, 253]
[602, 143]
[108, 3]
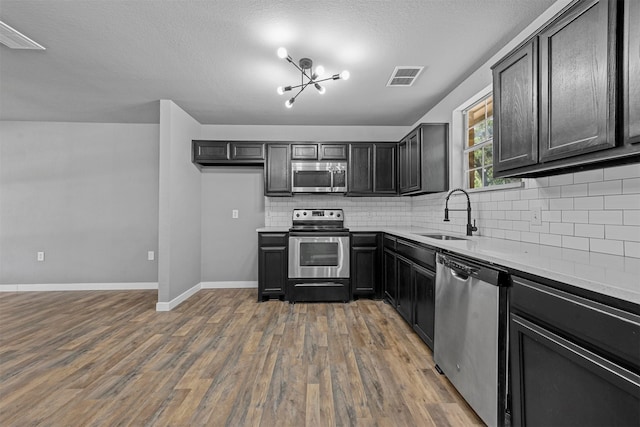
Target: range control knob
[331, 213]
[338, 215]
[304, 213]
[297, 215]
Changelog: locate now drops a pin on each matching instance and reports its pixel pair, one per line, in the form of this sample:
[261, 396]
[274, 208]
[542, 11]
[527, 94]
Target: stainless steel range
[318, 256]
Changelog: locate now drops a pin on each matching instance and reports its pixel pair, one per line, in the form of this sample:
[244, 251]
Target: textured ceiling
[111, 61]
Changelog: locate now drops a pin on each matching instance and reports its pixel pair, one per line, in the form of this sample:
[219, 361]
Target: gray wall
[179, 212]
[86, 194]
[230, 246]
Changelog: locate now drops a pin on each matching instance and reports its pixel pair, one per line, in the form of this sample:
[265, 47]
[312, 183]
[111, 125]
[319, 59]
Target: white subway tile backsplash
[574, 190]
[588, 176]
[550, 192]
[552, 216]
[520, 205]
[588, 203]
[561, 228]
[551, 239]
[621, 172]
[623, 232]
[575, 216]
[512, 235]
[631, 186]
[521, 225]
[542, 228]
[605, 217]
[561, 179]
[613, 247]
[580, 243]
[589, 230]
[530, 237]
[625, 201]
[513, 215]
[631, 217]
[632, 249]
[605, 188]
[561, 204]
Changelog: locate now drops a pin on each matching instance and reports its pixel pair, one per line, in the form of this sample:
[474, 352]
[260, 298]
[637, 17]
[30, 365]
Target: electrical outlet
[40, 256]
[234, 214]
[151, 255]
[536, 215]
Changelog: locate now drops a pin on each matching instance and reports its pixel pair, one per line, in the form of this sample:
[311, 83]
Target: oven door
[318, 255]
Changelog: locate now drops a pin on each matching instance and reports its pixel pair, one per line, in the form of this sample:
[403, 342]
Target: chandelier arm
[323, 80]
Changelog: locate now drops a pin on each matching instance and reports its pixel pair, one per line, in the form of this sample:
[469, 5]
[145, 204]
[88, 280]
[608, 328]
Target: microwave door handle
[333, 172]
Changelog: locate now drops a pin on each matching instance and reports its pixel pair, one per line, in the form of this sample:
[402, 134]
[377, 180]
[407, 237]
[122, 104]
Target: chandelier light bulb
[280, 90]
[345, 75]
[321, 89]
[319, 70]
[282, 53]
[289, 103]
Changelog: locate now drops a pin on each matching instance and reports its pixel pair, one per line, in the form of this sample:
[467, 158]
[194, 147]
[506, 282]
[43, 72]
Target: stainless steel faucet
[470, 228]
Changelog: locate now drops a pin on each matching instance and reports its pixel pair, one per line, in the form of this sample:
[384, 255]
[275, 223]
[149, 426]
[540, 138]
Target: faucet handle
[474, 228]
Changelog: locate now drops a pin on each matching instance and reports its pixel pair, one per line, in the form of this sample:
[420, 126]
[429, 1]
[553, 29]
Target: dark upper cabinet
[272, 265]
[246, 151]
[372, 169]
[515, 98]
[577, 81]
[221, 153]
[304, 151]
[631, 70]
[277, 170]
[365, 264]
[423, 160]
[585, 88]
[333, 151]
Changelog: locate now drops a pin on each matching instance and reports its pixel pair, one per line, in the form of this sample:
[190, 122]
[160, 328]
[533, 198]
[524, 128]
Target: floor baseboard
[49, 287]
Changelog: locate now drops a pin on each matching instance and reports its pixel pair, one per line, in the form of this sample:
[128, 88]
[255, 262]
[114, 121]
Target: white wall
[84, 193]
[179, 210]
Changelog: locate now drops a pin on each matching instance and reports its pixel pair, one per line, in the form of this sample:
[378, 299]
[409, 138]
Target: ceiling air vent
[15, 39]
[404, 76]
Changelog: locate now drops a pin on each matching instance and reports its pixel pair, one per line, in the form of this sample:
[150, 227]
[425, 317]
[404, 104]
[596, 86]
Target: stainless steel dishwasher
[470, 338]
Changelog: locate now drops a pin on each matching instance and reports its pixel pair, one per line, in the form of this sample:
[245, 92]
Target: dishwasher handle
[462, 269]
[458, 268]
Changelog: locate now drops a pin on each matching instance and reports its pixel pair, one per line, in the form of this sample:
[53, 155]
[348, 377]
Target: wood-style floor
[219, 359]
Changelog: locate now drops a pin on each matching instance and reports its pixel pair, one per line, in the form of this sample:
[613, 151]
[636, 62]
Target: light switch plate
[536, 215]
[234, 214]
[40, 256]
[151, 255]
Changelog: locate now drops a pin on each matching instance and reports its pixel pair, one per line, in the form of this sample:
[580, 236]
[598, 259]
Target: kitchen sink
[441, 236]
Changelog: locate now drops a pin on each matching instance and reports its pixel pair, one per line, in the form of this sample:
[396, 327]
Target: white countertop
[611, 275]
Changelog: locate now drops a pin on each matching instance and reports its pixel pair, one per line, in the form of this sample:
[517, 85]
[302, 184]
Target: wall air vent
[404, 76]
[15, 39]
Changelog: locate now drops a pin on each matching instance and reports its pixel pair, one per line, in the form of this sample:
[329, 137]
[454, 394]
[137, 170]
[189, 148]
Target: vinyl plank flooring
[220, 358]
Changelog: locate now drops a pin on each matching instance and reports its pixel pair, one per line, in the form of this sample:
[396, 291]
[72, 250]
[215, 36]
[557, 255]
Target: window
[478, 147]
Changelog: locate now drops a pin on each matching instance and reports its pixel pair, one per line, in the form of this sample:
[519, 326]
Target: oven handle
[318, 234]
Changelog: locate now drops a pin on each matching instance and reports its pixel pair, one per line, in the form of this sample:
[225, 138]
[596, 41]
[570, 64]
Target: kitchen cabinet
[272, 265]
[409, 283]
[558, 95]
[515, 122]
[577, 81]
[390, 283]
[221, 153]
[372, 169]
[631, 71]
[574, 361]
[424, 286]
[366, 264]
[321, 151]
[277, 170]
[423, 160]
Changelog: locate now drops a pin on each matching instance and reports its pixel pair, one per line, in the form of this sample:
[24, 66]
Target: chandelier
[307, 76]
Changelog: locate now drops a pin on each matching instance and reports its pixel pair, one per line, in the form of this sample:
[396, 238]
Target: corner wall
[179, 208]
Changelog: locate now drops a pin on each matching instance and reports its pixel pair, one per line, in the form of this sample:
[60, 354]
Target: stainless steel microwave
[319, 177]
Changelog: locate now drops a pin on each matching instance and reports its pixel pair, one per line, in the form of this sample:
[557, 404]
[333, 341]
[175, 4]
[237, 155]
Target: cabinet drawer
[607, 330]
[304, 152]
[421, 255]
[273, 239]
[389, 242]
[364, 239]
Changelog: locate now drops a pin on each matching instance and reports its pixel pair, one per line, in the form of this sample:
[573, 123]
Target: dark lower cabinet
[404, 299]
[366, 265]
[390, 282]
[574, 362]
[272, 265]
[277, 170]
[424, 303]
